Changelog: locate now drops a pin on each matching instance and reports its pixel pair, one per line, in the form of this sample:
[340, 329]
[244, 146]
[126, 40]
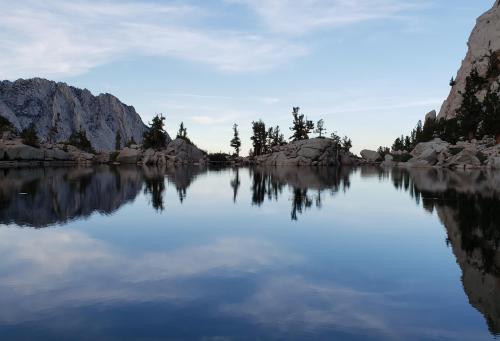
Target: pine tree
[118, 140]
[269, 140]
[320, 128]
[182, 133]
[491, 115]
[346, 144]
[398, 144]
[336, 140]
[408, 145]
[30, 137]
[79, 139]
[259, 138]
[156, 136]
[236, 142]
[428, 130]
[301, 127]
[469, 113]
[278, 139]
[452, 82]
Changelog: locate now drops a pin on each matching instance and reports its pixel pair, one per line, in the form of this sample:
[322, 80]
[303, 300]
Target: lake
[127, 253]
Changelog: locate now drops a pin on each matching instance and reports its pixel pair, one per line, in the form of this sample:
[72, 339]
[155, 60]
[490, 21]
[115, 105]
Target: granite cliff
[57, 110]
[484, 42]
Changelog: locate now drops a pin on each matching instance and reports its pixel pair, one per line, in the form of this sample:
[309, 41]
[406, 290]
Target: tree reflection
[300, 202]
[235, 183]
[270, 182]
[155, 186]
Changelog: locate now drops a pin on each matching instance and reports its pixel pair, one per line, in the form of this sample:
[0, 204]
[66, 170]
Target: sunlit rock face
[468, 205]
[58, 110]
[42, 197]
[485, 39]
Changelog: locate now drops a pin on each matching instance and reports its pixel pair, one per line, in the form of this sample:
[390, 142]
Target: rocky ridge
[57, 110]
[483, 42]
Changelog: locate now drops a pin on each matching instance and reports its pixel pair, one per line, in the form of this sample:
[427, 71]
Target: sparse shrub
[219, 157]
[402, 157]
[5, 125]
[79, 140]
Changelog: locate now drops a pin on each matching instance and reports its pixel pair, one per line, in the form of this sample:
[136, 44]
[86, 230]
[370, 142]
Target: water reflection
[468, 205]
[257, 272]
[270, 183]
[40, 197]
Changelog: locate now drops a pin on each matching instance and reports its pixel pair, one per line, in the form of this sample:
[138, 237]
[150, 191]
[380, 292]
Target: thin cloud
[269, 100]
[390, 105]
[299, 17]
[69, 38]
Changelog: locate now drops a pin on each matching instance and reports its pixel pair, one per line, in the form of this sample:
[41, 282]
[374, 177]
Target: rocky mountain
[483, 43]
[58, 110]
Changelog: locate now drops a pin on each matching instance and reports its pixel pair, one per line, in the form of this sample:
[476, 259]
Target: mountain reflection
[40, 197]
[468, 205]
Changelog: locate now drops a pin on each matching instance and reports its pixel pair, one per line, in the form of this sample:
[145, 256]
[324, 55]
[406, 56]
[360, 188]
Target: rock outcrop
[311, 152]
[482, 42]
[58, 110]
[370, 155]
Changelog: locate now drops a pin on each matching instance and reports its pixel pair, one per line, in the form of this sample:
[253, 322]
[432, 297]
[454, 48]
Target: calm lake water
[127, 253]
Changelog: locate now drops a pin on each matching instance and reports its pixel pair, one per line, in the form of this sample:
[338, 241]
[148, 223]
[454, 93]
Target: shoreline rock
[13, 153]
[310, 152]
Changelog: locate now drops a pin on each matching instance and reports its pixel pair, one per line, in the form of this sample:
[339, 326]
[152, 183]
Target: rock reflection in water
[40, 197]
[468, 205]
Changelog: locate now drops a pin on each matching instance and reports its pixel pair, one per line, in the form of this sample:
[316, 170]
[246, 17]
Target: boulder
[22, 152]
[56, 154]
[464, 159]
[128, 155]
[147, 157]
[429, 155]
[388, 161]
[437, 145]
[103, 157]
[431, 116]
[315, 151]
[493, 162]
[370, 155]
[184, 151]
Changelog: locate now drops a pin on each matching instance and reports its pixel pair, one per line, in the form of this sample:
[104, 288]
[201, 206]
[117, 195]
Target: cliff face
[58, 110]
[484, 40]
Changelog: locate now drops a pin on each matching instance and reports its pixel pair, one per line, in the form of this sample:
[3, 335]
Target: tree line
[264, 139]
[477, 117]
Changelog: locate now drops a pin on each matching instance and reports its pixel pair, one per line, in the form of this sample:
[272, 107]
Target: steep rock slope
[484, 40]
[58, 110]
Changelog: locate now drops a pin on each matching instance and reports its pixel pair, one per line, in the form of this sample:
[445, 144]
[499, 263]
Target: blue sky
[369, 68]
